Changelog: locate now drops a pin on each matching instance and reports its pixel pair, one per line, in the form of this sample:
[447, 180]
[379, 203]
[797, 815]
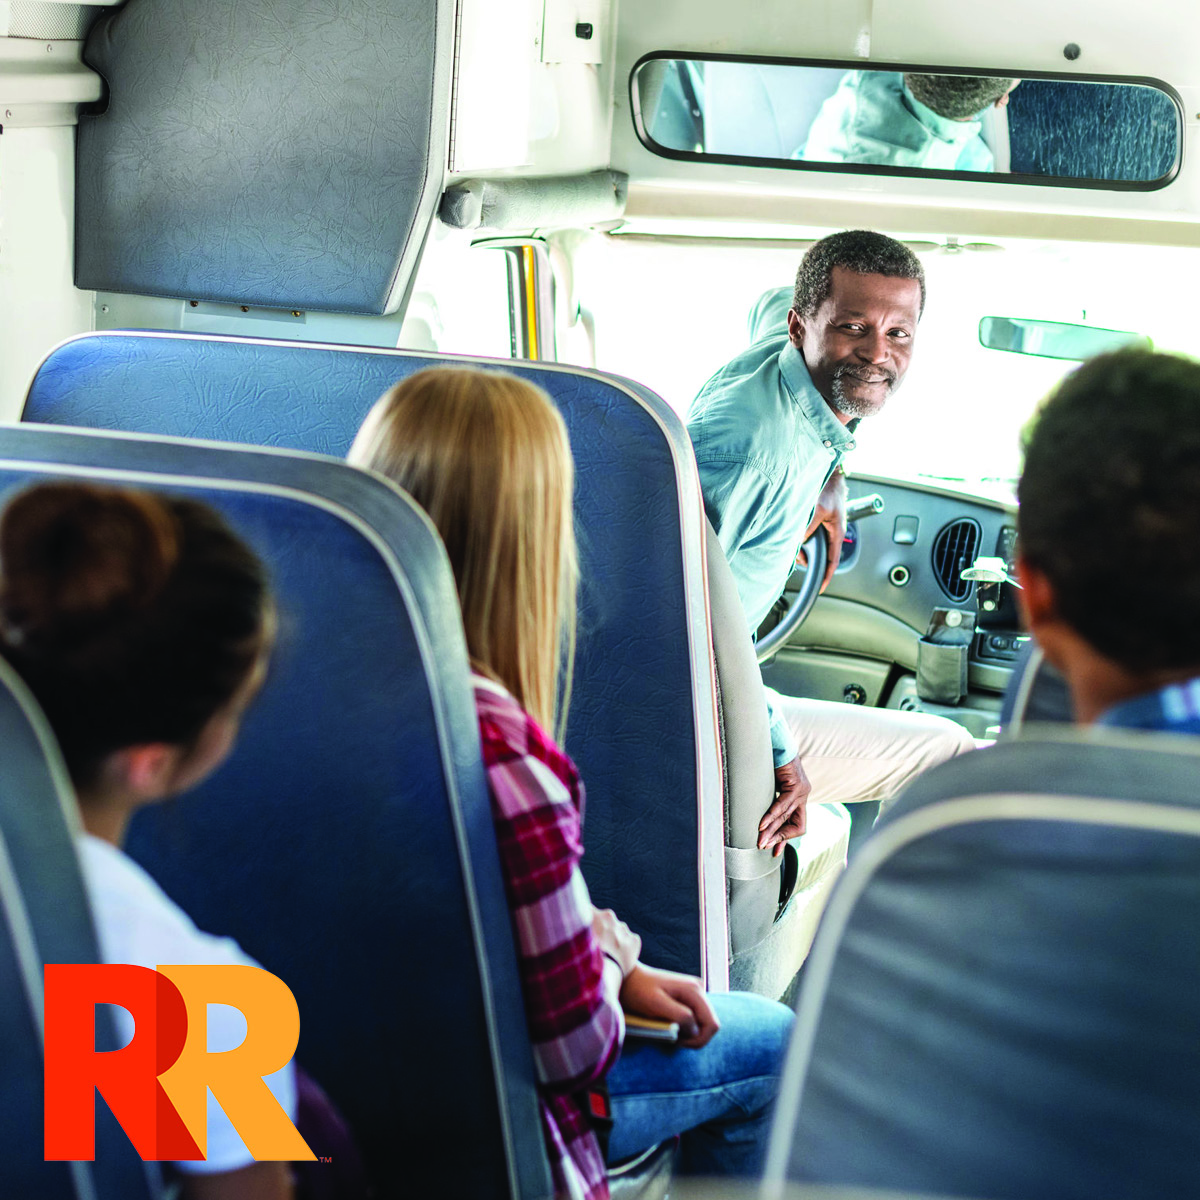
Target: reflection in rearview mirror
[1098, 133]
[1054, 339]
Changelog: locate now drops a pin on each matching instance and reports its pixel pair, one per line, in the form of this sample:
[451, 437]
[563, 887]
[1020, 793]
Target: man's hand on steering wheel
[786, 818]
[830, 511]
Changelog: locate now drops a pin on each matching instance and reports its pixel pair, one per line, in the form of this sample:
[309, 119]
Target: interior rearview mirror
[1054, 339]
[1119, 134]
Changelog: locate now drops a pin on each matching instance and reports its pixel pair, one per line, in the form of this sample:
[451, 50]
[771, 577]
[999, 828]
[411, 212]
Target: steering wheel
[816, 550]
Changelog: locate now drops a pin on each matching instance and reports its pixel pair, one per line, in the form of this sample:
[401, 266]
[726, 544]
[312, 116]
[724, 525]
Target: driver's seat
[774, 903]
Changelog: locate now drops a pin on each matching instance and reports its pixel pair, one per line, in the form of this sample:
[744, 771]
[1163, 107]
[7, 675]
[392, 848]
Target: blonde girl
[487, 455]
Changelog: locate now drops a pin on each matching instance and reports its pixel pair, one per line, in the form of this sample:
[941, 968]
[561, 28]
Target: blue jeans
[719, 1098]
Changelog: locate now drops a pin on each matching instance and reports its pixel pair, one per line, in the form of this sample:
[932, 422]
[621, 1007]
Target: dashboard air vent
[954, 549]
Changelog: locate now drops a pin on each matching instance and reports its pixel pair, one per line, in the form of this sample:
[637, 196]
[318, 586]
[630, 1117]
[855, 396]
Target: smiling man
[770, 430]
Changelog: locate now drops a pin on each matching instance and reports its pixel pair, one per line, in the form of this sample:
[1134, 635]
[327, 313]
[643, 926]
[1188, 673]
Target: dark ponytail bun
[133, 617]
[75, 557]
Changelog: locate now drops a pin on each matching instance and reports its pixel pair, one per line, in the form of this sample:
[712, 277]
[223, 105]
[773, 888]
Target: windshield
[670, 311]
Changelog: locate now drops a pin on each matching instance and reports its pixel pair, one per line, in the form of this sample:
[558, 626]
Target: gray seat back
[1036, 692]
[1003, 1001]
[752, 875]
[269, 154]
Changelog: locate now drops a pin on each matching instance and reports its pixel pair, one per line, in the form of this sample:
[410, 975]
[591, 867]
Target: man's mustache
[882, 376]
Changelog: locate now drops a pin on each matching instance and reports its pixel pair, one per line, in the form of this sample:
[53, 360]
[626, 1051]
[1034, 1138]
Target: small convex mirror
[1055, 339]
[1089, 133]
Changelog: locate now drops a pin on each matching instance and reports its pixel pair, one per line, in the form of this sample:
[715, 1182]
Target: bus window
[460, 299]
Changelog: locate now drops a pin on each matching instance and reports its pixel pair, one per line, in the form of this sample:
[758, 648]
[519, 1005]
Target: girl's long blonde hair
[486, 455]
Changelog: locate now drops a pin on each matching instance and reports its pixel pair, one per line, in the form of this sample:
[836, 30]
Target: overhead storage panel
[264, 152]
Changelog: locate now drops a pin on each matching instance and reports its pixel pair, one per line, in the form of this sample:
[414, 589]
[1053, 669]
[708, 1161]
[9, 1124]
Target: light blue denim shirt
[874, 118]
[765, 442]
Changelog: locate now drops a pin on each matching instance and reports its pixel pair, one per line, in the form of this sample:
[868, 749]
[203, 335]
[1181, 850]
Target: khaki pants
[852, 754]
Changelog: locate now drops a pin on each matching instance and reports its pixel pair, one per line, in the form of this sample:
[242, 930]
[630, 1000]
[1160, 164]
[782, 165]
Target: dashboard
[860, 643]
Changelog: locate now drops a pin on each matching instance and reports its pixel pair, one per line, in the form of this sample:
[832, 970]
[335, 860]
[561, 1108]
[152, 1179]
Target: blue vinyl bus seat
[44, 918]
[332, 844]
[1004, 998]
[643, 724]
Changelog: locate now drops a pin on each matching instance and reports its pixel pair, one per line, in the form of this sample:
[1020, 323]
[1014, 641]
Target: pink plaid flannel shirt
[570, 987]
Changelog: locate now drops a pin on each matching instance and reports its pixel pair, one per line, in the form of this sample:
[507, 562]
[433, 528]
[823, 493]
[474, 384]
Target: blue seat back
[44, 918]
[642, 725]
[1002, 1001]
[332, 844]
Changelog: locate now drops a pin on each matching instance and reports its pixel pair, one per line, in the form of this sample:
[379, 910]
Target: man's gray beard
[852, 406]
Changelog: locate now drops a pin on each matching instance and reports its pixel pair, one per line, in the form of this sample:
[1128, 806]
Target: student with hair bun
[486, 454]
[142, 625]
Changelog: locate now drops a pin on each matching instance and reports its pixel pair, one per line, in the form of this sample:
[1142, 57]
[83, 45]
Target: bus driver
[770, 430]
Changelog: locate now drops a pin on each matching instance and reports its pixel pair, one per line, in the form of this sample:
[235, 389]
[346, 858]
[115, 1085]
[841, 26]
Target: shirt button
[827, 443]
[849, 445]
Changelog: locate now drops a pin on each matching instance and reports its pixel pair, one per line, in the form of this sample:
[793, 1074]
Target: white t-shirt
[137, 923]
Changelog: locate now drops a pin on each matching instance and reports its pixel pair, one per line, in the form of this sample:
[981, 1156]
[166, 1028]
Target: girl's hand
[671, 997]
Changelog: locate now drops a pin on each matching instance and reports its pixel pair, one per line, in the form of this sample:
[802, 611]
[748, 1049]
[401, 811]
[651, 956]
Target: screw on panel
[1071, 51]
[194, 303]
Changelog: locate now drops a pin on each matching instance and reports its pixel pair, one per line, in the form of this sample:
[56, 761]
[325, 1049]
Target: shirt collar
[833, 434]
[1175, 704]
[957, 133]
[488, 685]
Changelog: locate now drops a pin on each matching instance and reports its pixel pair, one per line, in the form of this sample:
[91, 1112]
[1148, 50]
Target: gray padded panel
[746, 742]
[633, 721]
[1036, 693]
[42, 897]
[1005, 1006]
[333, 843]
[262, 152]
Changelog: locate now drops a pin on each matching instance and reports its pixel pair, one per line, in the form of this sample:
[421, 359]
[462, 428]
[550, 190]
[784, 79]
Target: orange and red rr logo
[157, 1085]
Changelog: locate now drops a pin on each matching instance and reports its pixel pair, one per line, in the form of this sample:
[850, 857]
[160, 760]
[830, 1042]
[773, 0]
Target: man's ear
[146, 770]
[795, 325]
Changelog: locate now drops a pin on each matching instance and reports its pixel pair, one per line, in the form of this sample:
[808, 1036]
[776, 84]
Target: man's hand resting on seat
[786, 818]
[666, 996]
[830, 512]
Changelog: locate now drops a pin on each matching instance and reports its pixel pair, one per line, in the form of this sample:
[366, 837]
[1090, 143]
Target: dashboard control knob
[854, 693]
[899, 575]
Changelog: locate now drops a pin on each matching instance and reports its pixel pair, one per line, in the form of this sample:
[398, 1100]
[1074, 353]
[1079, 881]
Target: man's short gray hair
[859, 250]
[958, 97]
